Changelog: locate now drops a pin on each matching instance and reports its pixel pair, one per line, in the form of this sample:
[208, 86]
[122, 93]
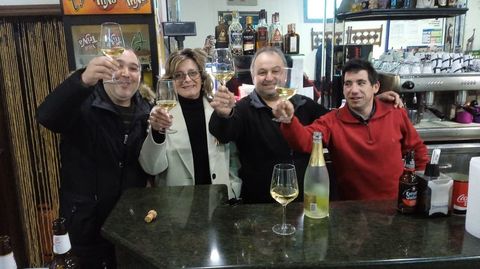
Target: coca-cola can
[460, 196]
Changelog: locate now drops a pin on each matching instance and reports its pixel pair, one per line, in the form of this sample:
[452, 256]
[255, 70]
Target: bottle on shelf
[262, 30]
[276, 35]
[235, 32]
[221, 33]
[7, 260]
[442, 3]
[409, 3]
[292, 40]
[249, 36]
[316, 186]
[397, 3]
[62, 249]
[407, 186]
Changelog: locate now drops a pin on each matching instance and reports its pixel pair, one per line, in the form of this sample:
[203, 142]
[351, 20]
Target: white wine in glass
[284, 189]
[112, 43]
[286, 87]
[166, 98]
[286, 93]
[223, 68]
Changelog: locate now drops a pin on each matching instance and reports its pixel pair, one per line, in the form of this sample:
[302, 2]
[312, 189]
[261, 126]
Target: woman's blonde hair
[199, 57]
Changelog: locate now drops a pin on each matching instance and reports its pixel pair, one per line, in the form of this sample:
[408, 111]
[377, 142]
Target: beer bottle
[407, 188]
[62, 249]
[7, 261]
[316, 188]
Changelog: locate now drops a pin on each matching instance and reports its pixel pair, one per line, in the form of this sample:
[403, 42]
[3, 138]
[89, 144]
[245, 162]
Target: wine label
[293, 44]
[61, 244]
[8, 261]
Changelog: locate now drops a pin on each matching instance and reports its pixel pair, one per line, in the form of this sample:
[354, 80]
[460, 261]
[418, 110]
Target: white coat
[172, 160]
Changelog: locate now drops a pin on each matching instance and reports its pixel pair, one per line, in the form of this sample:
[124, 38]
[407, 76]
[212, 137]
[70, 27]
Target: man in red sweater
[366, 139]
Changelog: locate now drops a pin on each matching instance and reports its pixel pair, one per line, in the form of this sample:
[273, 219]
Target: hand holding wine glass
[284, 189]
[166, 99]
[112, 43]
[286, 87]
[223, 68]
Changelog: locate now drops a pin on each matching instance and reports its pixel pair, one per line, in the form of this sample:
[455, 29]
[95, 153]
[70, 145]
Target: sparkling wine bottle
[316, 182]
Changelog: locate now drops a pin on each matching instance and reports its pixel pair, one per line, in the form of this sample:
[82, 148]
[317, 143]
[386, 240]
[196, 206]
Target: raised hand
[283, 111]
[160, 119]
[223, 102]
[99, 68]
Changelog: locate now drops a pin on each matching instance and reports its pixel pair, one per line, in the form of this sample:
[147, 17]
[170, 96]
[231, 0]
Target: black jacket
[99, 156]
[260, 143]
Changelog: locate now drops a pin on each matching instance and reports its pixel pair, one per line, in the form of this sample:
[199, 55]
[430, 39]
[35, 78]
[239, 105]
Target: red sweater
[367, 158]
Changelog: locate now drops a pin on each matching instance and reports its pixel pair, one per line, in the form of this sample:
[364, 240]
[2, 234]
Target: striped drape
[33, 61]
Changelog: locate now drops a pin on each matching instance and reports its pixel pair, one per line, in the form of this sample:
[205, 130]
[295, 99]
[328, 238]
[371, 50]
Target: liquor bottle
[249, 37]
[292, 40]
[276, 36]
[407, 186]
[262, 30]
[221, 34]
[62, 249]
[235, 32]
[442, 3]
[316, 186]
[7, 261]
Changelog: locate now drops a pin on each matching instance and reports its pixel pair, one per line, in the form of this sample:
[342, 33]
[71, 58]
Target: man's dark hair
[356, 65]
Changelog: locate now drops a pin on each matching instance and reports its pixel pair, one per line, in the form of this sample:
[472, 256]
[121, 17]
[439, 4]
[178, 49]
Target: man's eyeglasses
[180, 76]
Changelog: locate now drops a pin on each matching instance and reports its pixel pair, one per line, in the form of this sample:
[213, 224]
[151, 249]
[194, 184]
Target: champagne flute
[166, 98]
[286, 86]
[284, 189]
[112, 43]
[223, 68]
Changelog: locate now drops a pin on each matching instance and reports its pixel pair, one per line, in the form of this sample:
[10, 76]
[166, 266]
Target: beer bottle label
[409, 196]
[61, 244]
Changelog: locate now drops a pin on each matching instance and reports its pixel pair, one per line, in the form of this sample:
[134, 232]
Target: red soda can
[460, 196]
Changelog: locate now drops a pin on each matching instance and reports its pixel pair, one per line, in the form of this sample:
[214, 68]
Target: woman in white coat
[191, 156]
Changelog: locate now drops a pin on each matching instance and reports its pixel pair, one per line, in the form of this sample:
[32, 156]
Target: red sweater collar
[382, 109]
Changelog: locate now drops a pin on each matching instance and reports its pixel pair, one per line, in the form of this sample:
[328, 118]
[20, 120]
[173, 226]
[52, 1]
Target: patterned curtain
[33, 61]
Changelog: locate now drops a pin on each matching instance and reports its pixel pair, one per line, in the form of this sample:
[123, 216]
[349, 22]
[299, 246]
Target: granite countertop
[195, 228]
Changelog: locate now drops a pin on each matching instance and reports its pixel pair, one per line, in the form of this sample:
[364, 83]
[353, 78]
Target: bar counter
[196, 228]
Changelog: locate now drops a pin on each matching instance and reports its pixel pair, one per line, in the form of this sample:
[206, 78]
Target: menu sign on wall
[90, 7]
[85, 42]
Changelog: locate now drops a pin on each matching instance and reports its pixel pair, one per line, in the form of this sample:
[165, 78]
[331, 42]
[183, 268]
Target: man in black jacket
[102, 127]
[258, 139]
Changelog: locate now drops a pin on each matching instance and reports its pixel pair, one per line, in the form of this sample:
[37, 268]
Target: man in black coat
[102, 127]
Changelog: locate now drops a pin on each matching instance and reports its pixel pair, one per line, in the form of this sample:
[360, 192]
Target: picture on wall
[86, 41]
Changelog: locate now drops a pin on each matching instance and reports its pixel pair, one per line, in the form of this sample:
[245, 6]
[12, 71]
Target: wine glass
[112, 43]
[223, 68]
[287, 85]
[166, 98]
[209, 70]
[284, 189]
